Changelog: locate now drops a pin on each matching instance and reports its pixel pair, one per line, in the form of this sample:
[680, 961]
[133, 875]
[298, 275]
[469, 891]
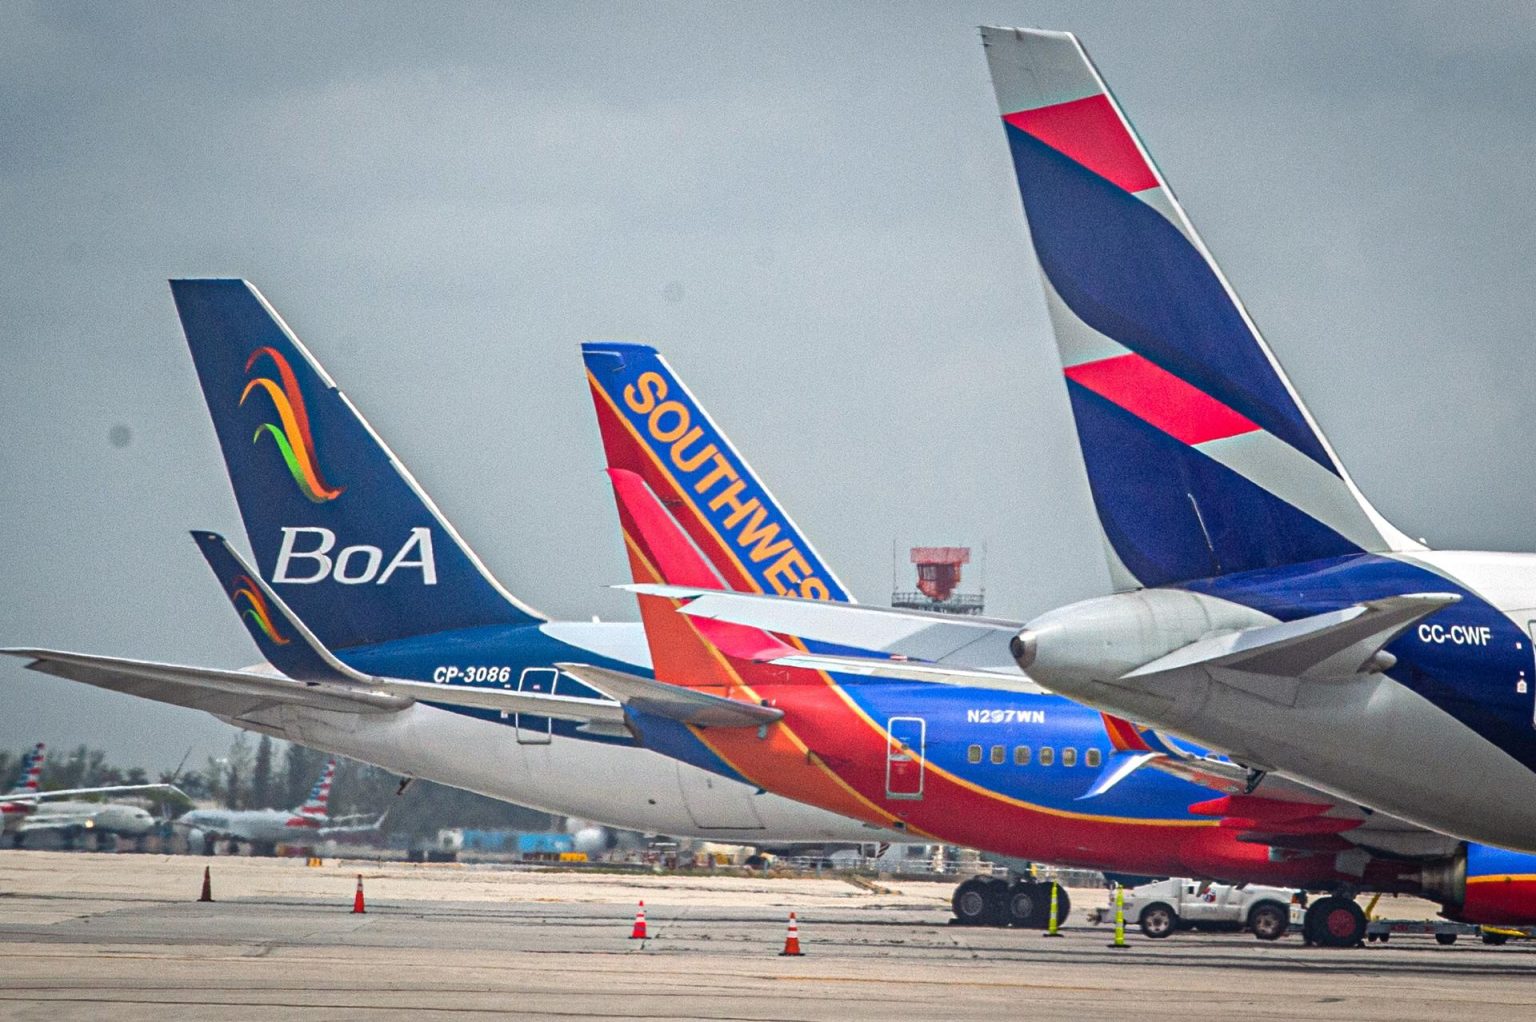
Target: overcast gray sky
[809, 208]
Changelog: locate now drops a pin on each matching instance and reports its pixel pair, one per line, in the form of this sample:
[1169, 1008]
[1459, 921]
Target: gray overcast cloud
[809, 208]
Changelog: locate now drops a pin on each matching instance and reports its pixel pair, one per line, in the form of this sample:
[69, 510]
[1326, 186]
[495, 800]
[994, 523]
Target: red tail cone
[792, 939]
[638, 933]
[207, 894]
[357, 899]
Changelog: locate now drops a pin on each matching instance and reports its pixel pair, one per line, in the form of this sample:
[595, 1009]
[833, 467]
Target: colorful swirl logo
[256, 608]
[292, 437]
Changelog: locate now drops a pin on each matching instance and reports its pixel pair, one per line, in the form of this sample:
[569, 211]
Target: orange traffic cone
[792, 939]
[638, 933]
[207, 894]
[357, 899]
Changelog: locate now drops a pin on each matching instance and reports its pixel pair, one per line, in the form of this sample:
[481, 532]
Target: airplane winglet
[273, 626]
[1117, 768]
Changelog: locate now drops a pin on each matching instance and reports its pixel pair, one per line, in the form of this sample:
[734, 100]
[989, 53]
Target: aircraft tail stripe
[1089, 131]
[1155, 395]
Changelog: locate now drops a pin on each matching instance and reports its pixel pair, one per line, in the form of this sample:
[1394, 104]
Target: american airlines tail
[652, 426]
[1200, 455]
[317, 807]
[31, 773]
[338, 525]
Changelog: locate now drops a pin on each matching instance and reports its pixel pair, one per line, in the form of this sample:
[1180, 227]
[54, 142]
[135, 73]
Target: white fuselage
[256, 825]
[1369, 739]
[619, 785]
[100, 817]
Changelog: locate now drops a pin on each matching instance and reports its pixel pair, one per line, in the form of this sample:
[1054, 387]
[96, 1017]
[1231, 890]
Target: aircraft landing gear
[1029, 904]
[981, 901]
[988, 901]
[1334, 921]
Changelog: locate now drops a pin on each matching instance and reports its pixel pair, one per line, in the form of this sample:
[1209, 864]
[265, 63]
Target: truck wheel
[1159, 920]
[1494, 938]
[1335, 922]
[1445, 939]
[980, 901]
[1269, 921]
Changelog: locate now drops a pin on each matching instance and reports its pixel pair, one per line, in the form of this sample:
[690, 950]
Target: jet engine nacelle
[1100, 640]
[1487, 885]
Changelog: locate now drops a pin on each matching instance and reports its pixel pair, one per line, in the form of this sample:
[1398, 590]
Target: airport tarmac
[123, 937]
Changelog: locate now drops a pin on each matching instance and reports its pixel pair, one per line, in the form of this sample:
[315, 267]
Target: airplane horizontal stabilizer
[909, 670]
[1334, 645]
[674, 702]
[976, 643]
[220, 692]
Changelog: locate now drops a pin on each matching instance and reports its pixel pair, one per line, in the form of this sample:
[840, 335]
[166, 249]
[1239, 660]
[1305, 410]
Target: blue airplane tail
[1201, 458]
[338, 525]
[652, 425]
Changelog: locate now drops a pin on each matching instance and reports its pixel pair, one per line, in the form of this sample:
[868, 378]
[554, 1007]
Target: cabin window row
[1023, 755]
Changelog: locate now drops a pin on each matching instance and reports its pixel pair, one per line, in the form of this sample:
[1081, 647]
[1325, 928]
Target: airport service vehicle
[348, 537]
[264, 829]
[1164, 907]
[1263, 609]
[27, 811]
[1024, 774]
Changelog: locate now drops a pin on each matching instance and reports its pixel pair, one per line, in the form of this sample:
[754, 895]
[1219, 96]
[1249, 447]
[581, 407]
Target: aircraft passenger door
[905, 749]
[531, 728]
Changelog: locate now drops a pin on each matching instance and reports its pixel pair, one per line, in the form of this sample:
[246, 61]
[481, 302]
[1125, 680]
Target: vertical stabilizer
[338, 525]
[1201, 458]
[654, 427]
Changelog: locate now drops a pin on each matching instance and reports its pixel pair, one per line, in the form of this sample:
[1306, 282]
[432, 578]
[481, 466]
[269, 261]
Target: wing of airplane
[108, 789]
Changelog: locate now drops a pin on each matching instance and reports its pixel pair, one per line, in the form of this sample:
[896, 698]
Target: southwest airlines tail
[1201, 458]
[338, 525]
[652, 426]
[31, 773]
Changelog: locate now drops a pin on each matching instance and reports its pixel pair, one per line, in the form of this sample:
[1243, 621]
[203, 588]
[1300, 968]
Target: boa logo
[351, 565]
[293, 437]
[256, 608]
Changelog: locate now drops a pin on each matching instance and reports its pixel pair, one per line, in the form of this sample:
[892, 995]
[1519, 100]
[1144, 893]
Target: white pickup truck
[1162, 907]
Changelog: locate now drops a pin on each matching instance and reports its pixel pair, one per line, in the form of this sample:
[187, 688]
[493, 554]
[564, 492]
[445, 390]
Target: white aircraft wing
[235, 694]
[109, 789]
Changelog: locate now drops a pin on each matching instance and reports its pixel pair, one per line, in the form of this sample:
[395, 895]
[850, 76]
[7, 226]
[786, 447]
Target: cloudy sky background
[809, 208]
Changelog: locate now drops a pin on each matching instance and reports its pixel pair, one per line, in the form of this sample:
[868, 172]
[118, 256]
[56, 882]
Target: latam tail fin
[337, 523]
[317, 807]
[283, 639]
[653, 426]
[31, 773]
[1200, 455]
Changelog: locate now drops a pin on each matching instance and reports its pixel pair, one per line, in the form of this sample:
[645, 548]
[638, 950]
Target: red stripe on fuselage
[1090, 132]
[1152, 393]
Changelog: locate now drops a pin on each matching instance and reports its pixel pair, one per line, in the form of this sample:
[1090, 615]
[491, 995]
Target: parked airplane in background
[265, 829]
[353, 544]
[27, 811]
[1266, 609]
[1025, 774]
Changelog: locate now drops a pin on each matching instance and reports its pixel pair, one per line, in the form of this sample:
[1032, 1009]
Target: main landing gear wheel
[1159, 920]
[980, 901]
[1269, 921]
[1334, 922]
[1029, 904]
